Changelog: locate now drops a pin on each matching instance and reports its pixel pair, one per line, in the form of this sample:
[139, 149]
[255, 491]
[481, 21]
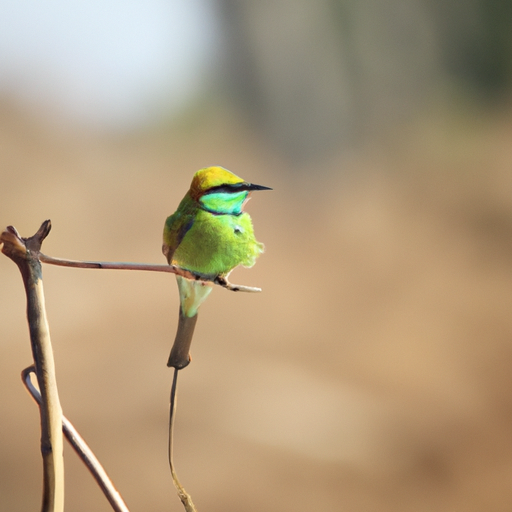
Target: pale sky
[112, 63]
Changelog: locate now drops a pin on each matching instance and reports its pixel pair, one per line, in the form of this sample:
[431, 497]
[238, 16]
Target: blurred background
[373, 372]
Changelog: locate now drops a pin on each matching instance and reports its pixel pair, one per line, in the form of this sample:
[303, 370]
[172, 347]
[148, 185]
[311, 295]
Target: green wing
[176, 227]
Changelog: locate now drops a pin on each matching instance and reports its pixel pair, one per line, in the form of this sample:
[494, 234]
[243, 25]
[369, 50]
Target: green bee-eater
[209, 234]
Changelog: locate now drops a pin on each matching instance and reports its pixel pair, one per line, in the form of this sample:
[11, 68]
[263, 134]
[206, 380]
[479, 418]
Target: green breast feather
[214, 244]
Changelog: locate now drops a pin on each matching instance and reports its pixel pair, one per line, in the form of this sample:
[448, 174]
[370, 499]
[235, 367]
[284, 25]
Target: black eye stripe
[230, 189]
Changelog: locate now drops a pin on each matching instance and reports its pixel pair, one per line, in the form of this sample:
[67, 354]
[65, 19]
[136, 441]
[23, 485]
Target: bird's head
[219, 191]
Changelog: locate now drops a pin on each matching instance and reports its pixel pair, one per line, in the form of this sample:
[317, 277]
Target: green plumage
[208, 234]
[210, 244]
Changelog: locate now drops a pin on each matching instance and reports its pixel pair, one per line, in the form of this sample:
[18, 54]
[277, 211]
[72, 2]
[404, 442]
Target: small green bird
[209, 234]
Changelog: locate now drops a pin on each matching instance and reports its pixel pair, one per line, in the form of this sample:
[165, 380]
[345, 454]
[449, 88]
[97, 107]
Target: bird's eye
[238, 229]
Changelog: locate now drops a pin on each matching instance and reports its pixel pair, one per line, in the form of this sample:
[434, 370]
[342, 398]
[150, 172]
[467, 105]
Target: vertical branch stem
[182, 493]
[51, 412]
[24, 252]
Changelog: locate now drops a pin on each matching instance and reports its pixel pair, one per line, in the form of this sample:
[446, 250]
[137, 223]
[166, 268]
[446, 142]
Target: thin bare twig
[82, 450]
[24, 252]
[184, 496]
[173, 269]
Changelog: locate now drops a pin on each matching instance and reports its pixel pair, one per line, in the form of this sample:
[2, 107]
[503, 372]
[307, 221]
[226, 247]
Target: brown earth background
[373, 373]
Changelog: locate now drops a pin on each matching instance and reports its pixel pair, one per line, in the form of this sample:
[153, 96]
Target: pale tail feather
[192, 295]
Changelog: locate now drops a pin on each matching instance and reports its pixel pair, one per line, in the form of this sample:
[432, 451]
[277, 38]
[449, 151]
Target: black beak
[237, 187]
[252, 186]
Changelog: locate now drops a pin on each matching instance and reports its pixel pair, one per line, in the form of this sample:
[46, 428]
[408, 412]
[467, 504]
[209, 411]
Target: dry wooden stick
[24, 252]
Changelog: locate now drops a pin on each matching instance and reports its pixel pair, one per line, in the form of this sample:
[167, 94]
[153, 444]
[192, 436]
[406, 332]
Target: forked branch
[82, 450]
[25, 252]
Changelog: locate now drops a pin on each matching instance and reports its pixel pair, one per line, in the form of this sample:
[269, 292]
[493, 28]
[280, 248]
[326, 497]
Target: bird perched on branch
[209, 235]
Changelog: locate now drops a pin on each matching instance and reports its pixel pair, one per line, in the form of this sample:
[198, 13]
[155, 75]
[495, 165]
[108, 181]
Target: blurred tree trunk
[476, 39]
[317, 75]
[320, 75]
